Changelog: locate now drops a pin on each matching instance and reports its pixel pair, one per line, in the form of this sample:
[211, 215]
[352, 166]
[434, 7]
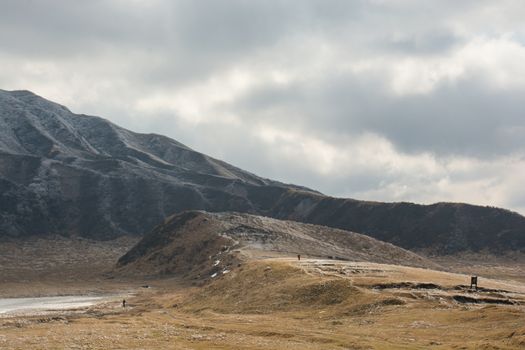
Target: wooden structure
[474, 282]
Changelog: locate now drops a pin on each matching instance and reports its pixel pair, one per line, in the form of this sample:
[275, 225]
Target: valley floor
[267, 303]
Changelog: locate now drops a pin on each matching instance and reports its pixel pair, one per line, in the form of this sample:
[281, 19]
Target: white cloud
[497, 60]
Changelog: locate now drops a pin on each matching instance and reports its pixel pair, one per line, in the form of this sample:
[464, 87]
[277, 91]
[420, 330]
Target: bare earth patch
[60, 266]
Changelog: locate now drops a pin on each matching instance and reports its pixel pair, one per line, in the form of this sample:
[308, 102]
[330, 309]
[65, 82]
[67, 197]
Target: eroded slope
[200, 244]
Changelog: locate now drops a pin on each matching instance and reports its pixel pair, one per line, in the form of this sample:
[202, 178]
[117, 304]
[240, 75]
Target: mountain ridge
[74, 174]
[71, 173]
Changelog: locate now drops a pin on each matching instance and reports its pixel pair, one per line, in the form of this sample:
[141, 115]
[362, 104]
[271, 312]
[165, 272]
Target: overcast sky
[406, 100]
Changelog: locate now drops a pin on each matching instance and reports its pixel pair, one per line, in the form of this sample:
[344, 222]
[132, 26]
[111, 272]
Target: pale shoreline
[37, 305]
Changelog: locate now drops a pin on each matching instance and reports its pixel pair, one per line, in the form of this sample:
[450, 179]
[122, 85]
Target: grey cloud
[58, 28]
[466, 118]
[195, 37]
[237, 145]
[433, 42]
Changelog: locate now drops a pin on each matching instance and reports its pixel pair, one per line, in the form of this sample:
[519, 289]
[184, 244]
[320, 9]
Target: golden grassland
[280, 303]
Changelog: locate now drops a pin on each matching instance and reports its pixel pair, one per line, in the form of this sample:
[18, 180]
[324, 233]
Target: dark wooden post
[474, 282]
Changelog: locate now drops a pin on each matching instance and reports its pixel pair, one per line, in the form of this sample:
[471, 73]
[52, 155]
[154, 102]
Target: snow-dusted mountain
[70, 174]
[33, 126]
[66, 173]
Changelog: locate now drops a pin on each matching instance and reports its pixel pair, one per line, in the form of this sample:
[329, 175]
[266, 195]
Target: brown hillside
[200, 244]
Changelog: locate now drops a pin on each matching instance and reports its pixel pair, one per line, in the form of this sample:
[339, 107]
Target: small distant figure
[298, 256]
[474, 282]
[123, 302]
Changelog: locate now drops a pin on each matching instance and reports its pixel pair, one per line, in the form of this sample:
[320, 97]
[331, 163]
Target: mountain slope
[200, 244]
[440, 227]
[73, 174]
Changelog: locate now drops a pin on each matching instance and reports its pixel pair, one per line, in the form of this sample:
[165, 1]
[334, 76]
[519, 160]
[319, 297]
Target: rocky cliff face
[73, 174]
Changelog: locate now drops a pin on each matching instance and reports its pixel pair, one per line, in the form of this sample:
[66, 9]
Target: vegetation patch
[264, 288]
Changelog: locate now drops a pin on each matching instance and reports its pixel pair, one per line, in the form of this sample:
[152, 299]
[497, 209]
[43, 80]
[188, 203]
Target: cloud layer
[402, 100]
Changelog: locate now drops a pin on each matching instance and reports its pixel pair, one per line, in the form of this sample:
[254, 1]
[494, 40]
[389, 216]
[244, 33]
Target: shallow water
[27, 305]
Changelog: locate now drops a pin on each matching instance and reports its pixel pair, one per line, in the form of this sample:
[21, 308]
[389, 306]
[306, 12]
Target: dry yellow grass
[283, 304]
